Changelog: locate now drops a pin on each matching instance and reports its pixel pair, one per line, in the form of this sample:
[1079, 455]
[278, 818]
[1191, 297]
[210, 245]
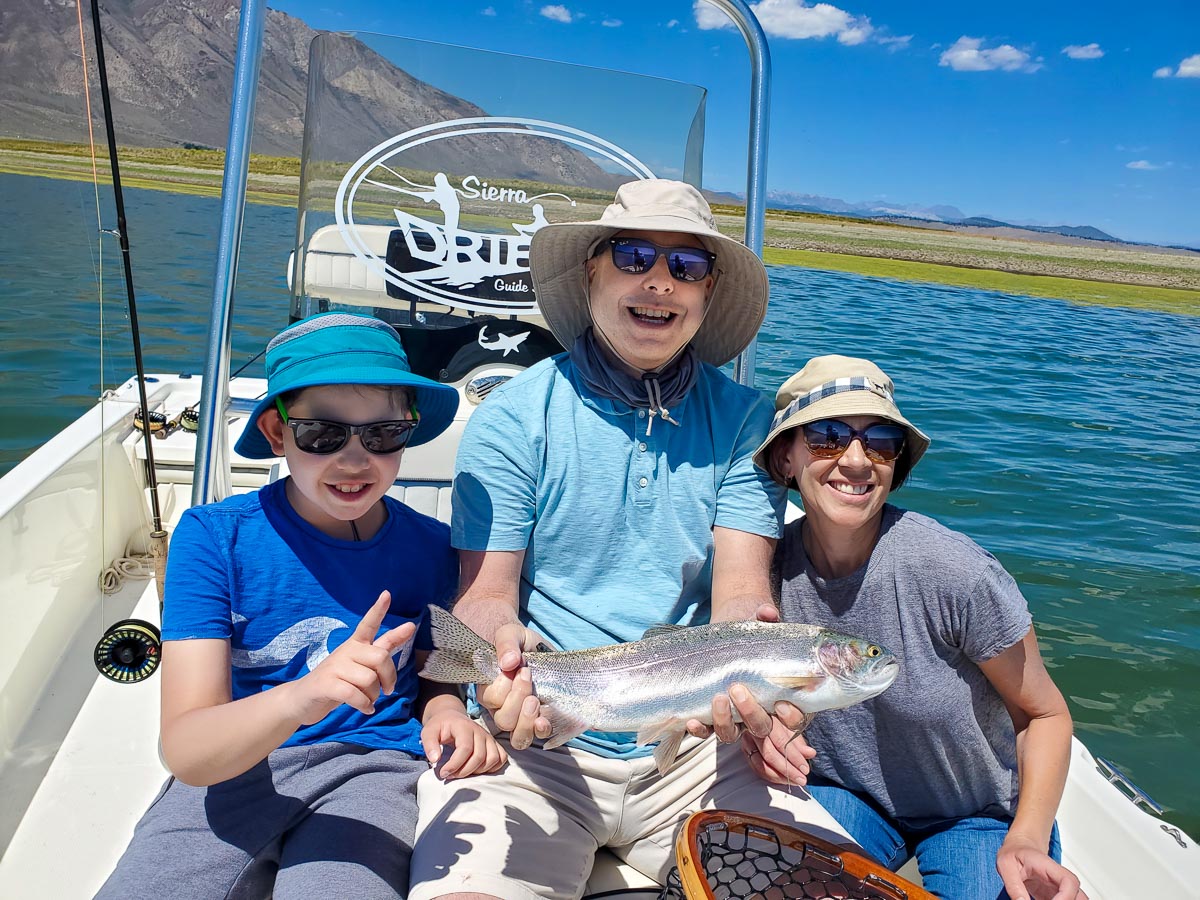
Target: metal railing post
[212, 479]
[756, 164]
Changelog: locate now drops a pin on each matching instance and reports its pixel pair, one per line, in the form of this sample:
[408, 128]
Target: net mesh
[743, 861]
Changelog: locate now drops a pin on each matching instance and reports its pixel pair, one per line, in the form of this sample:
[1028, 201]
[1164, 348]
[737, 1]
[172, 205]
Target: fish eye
[873, 651]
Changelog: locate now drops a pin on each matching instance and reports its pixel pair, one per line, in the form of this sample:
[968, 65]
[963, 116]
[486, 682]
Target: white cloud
[967, 55]
[611, 23]
[672, 23]
[1084, 51]
[490, 11]
[796, 20]
[1189, 68]
[1143, 165]
[557, 13]
[899, 42]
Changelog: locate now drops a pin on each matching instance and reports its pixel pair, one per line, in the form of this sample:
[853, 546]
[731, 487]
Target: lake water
[1062, 435]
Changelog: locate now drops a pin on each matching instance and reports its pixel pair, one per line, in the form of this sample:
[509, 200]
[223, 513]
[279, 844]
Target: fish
[655, 685]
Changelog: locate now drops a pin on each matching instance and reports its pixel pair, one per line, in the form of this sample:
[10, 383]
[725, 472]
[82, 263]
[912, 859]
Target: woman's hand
[510, 699]
[475, 750]
[782, 756]
[1029, 872]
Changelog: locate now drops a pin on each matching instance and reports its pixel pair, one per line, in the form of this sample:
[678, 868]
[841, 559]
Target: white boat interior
[79, 759]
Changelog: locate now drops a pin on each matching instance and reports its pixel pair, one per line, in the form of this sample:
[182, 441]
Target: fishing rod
[158, 536]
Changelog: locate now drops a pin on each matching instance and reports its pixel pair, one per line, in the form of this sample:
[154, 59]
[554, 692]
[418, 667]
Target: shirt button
[642, 482]
[642, 446]
[641, 414]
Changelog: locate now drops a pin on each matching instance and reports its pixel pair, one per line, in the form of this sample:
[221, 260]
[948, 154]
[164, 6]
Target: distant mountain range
[170, 68]
[171, 73]
[948, 214]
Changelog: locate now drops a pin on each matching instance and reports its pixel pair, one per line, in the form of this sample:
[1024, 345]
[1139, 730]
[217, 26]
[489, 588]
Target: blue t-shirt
[285, 594]
[616, 524]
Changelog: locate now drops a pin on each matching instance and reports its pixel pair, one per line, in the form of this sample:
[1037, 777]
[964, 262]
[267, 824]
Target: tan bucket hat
[739, 300]
[832, 386]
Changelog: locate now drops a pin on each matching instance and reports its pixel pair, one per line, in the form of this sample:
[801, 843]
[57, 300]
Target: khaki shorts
[532, 830]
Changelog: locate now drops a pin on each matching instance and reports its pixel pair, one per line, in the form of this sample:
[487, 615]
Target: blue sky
[1038, 112]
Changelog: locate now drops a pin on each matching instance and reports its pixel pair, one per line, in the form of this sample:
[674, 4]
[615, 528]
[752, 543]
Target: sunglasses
[637, 255]
[830, 438]
[322, 437]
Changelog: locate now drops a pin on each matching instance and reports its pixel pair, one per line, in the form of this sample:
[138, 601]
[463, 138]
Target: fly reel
[129, 651]
[157, 421]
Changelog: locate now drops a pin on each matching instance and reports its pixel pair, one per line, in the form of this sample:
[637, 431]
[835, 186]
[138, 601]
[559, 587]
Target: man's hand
[510, 698]
[355, 672]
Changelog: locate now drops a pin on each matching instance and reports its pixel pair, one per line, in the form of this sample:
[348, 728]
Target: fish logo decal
[509, 343]
[309, 636]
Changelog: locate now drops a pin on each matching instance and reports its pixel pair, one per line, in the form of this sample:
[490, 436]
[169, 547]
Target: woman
[961, 762]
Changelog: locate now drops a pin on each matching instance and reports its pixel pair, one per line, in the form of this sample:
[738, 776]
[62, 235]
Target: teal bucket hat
[345, 348]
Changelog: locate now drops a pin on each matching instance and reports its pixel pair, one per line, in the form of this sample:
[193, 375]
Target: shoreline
[1122, 275]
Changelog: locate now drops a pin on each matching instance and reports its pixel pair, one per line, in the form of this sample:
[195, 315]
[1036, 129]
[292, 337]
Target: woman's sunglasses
[830, 438]
[322, 437]
[637, 255]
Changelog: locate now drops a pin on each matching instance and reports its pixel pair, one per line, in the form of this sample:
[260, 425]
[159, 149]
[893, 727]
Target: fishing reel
[129, 651]
[157, 421]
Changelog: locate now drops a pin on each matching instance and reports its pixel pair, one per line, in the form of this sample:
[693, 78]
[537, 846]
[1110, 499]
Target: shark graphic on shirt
[308, 636]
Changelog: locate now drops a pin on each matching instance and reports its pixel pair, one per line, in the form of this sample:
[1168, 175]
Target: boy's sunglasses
[320, 436]
[830, 438]
[637, 255]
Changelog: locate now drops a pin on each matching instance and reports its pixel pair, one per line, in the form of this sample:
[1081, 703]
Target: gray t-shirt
[939, 743]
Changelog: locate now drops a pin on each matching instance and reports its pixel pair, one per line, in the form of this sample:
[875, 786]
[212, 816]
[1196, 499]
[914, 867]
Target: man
[598, 494]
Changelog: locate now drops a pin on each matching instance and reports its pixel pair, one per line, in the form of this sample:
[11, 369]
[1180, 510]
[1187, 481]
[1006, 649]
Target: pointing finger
[393, 640]
[369, 626]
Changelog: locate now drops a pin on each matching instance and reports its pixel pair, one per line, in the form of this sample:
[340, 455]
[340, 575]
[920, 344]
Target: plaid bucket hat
[345, 348]
[739, 299]
[832, 386]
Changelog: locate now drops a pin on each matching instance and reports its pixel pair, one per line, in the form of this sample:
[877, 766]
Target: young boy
[289, 692]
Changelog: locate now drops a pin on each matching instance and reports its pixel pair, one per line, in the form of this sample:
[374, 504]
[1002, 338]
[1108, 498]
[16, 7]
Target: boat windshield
[420, 208]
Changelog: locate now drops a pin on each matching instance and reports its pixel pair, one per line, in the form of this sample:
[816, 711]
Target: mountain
[949, 215]
[170, 68]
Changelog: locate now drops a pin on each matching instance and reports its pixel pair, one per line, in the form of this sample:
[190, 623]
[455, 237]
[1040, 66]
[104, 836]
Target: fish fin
[461, 656]
[796, 682]
[564, 726]
[655, 630]
[668, 749]
[669, 733]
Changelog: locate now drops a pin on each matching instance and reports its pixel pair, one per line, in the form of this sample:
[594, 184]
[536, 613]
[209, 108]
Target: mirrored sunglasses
[830, 438]
[321, 436]
[637, 255]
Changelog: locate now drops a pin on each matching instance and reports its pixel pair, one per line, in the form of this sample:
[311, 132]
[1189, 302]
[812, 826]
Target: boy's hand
[356, 671]
[475, 750]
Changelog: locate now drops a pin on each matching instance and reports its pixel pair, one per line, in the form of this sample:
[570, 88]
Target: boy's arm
[207, 737]
[445, 722]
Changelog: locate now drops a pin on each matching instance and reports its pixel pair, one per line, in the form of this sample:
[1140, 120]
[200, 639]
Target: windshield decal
[433, 255]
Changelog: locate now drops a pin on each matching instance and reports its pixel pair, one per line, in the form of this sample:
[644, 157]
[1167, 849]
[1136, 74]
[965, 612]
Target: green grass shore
[1082, 272]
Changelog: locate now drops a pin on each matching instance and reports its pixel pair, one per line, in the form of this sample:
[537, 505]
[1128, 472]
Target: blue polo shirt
[616, 523]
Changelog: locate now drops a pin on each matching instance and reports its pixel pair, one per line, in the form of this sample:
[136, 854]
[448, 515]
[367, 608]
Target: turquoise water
[1062, 435]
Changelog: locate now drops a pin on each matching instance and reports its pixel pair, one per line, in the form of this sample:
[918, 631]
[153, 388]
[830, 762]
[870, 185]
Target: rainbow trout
[655, 685]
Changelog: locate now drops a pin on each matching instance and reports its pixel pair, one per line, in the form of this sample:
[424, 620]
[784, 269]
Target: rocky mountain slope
[170, 68]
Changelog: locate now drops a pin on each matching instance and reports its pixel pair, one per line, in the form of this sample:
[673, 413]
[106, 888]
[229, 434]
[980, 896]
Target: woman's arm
[1043, 731]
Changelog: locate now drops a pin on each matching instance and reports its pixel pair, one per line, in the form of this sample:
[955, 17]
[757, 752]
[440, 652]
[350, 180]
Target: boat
[424, 232]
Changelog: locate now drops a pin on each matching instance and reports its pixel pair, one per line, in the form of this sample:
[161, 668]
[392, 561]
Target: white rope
[131, 565]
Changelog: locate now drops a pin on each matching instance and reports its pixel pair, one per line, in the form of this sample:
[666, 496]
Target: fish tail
[461, 656]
